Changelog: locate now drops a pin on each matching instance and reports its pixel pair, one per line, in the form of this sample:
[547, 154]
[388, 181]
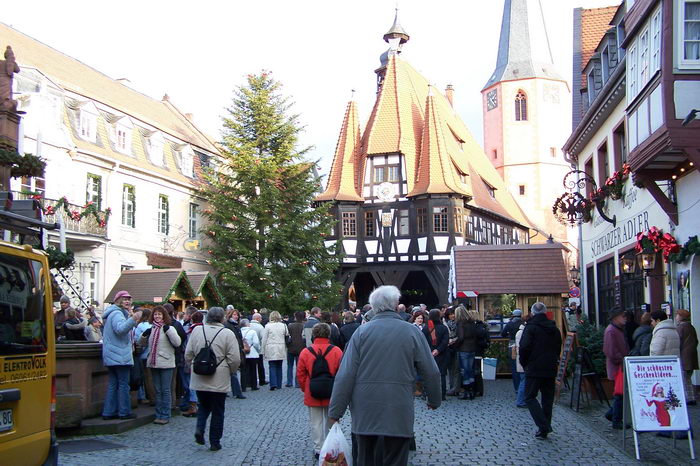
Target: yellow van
[27, 353]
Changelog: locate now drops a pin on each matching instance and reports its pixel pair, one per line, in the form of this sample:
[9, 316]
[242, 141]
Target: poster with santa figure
[655, 389]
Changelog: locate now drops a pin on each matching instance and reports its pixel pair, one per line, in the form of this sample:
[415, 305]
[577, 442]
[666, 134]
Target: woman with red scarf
[438, 336]
[162, 339]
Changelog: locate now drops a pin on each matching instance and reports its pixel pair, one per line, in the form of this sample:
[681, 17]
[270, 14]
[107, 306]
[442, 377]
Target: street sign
[575, 292]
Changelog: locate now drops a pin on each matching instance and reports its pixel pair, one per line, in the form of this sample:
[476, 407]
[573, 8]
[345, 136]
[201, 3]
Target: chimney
[450, 93]
[166, 97]
[189, 116]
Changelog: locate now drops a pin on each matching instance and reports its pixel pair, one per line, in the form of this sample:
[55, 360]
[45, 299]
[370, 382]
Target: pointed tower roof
[396, 31]
[523, 49]
[436, 172]
[343, 179]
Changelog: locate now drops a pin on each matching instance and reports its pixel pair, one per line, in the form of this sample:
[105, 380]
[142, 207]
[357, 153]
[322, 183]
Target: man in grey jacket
[314, 318]
[376, 379]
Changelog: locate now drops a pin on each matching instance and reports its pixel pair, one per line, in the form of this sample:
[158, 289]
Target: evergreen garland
[21, 165]
[691, 247]
[59, 260]
[266, 236]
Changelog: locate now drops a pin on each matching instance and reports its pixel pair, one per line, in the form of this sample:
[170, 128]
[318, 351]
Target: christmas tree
[267, 239]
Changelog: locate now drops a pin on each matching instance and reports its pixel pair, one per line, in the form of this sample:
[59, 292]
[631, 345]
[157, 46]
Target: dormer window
[185, 158]
[120, 133]
[491, 190]
[154, 148]
[87, 125]
[520, 106]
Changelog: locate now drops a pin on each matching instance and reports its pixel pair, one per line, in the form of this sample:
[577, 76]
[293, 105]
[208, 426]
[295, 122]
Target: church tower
[526, 107]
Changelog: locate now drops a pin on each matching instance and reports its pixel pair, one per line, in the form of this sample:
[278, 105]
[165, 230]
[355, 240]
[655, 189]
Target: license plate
[5, 419]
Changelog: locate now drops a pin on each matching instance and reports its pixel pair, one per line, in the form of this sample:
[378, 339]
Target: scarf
[431, 329]
[192, 327]
[155, 340]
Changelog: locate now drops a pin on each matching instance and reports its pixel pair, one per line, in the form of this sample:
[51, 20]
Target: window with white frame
[643, 55]
[187, 161]
[93, 191]
[193, 221]
[154, 148]
[688, 34]
[34, 185]
[590, 79]
[163, 214]
[88, 125]
[605, 63]
[129, 206]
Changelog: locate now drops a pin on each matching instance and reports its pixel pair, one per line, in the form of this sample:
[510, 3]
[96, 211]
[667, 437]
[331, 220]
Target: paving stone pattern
[271, 428]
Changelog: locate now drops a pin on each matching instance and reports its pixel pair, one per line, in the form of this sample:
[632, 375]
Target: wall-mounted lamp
[647, 262]
[628, 265]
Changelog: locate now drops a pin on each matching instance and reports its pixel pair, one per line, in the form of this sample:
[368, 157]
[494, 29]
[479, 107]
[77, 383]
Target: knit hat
[121, 294]
[517, 313]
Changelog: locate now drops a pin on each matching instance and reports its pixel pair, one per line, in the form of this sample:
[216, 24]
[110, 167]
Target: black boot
[465, 393]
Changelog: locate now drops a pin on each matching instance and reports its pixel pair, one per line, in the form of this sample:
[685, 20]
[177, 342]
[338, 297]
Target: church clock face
[385, 192]
[492, 99]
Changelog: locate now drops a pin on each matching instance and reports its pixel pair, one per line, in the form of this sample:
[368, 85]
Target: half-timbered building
[411, 186]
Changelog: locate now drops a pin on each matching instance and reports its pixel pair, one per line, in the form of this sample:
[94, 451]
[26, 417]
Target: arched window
[520, 106]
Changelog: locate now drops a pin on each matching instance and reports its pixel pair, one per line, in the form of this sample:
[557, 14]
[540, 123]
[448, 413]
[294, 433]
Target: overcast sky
[199, 52]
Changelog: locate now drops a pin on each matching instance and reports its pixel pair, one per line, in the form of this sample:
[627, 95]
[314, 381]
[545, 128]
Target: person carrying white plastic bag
[335, 450]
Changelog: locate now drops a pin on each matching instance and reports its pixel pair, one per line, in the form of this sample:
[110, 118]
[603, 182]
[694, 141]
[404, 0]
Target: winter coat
[274, 347]
[346, 332]
[259, 329]
[296, 330]
[233, 326]
[377, 374]
[469, 335]
[308, 326]
[641, 339]
[225, 347]
[306, 364]
[74, 329]
[251, 336]
[540, 346]
[511, 328]
[615, 349]
[442, 336]
[117, 349]
[689, 345]
[518, 336]
[168, 342]
[665, 340]
[93, 334]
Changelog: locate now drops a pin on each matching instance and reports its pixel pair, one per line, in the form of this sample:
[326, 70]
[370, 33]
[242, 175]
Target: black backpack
[321, 382]
[204, 363]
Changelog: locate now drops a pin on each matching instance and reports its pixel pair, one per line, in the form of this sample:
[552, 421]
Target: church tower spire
[526, 115]
[523, 49]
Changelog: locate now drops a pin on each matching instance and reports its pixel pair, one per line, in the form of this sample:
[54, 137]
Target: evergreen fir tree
[266, 236]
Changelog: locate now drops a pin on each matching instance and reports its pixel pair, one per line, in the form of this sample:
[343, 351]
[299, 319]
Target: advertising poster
[657, 399]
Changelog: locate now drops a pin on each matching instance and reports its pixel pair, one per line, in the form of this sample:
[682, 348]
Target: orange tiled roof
[343, 180]
[79, 78]
[435, 171]
[594, 23]
[436, 145]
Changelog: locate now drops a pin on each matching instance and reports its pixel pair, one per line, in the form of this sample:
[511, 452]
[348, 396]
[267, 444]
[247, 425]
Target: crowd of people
[378, 358]
[438, 358]
[655, 335]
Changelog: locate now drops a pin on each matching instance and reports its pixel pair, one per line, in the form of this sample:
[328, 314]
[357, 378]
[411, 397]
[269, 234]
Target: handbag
[287, 337]
[136, 375]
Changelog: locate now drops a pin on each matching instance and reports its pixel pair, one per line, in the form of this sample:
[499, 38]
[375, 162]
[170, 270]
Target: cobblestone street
[271, 428]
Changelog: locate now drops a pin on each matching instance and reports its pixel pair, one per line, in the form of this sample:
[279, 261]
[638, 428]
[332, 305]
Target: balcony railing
[87, 225]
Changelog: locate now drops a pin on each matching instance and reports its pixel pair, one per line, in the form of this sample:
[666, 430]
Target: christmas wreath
[59, 260]
[653, 240]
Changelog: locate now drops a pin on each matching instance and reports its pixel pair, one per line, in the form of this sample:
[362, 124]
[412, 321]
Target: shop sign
[622, 234]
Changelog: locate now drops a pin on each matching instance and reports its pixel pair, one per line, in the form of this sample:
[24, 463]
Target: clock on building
[492, 99]
[385, 192]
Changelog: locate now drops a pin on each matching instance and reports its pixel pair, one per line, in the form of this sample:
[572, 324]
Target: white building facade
[110, 147]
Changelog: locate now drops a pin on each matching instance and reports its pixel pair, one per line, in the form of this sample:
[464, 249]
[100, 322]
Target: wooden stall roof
[147, 285]
[518, 268]
[204, 284]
